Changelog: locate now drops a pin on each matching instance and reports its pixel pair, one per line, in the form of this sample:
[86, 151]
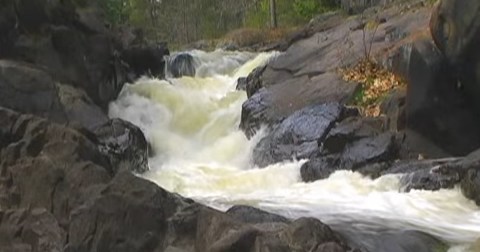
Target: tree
[273, 14]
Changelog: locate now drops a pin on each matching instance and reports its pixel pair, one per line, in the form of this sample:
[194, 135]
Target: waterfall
[200, 153]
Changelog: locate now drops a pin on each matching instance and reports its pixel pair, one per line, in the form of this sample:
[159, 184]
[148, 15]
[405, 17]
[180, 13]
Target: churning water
[192, 124]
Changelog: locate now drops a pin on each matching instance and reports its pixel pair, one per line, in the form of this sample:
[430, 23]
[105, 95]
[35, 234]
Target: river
[192, 124]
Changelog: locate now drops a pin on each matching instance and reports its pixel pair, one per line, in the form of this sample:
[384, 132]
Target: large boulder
[273, 103]
[366, 155]
[129, 214]
[124, 144]
[455, 28]
[353, 144]
[298, 135]
[435, 106]
[30, 90]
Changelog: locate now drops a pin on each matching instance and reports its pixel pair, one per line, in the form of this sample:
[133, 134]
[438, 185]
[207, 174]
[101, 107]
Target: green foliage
[184, 21]
[116, 11]
[307, 9]
[290, 12]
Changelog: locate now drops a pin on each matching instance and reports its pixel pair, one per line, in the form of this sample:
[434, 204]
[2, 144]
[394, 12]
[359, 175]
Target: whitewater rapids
[192, 124]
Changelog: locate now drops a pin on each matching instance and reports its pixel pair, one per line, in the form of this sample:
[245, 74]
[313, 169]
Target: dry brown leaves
[375, 83]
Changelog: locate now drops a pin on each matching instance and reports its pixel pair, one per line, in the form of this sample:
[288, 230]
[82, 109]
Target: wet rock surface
[182, 64]
[124, 144]
[297, 136]
[271, 104]
[351, 145]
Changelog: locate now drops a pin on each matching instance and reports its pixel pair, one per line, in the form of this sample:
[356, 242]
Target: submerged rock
[182, 64]
[320, 168]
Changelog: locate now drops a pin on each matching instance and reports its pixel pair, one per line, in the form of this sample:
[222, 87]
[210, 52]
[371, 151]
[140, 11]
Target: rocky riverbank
[307, 104]
[68, 172]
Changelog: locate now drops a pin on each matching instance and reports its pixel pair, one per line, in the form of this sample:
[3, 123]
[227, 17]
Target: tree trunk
[273, 14]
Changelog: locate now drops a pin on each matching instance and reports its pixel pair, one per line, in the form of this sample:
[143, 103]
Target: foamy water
[192, 124]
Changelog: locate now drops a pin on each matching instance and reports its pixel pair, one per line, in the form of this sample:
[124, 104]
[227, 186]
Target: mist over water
[192, 124]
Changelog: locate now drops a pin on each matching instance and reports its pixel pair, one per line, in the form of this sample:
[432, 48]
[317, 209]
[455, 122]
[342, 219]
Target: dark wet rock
[254, 81]
[413, 145]
[146, 60]
[470, 185]
[440, 173]
[30, 230]
[455, 29]
[253, 215]
[182, 64]
[319, 168]
[350, 130]
[435, 106]
[432, 179]
[370, 150]
[358, 155]
[124, 144]
[241, 84]
[393, 107]
[273, 103]
[297, 136]
[256, 112]
[412, 166]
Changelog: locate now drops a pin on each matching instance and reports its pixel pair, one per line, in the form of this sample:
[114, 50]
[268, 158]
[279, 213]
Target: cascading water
[192, 124]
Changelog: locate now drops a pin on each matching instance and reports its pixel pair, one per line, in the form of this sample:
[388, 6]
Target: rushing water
[192, 124]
